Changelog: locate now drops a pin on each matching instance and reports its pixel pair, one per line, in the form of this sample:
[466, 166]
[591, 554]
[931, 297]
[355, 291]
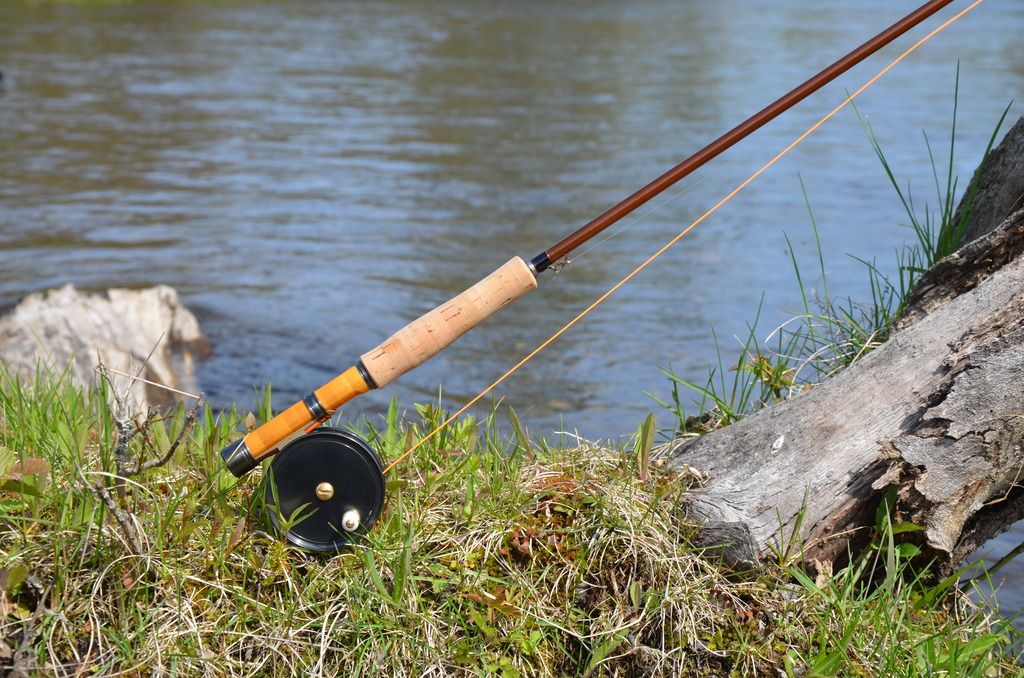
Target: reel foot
[332, 482]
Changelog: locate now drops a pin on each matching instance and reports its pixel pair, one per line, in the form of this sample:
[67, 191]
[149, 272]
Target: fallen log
[933, 417]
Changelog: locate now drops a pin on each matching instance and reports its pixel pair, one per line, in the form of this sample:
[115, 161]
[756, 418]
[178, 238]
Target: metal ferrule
[541, 262]
[365, 374]
[238, 458]
[315, 407]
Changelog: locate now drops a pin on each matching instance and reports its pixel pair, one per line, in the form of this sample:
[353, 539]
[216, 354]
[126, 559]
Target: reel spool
[335, 480]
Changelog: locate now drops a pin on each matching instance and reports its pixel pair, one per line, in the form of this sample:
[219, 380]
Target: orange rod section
[265, 440]
[342, 389]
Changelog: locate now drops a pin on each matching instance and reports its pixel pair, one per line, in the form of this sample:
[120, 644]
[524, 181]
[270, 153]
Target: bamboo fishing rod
[313, 453]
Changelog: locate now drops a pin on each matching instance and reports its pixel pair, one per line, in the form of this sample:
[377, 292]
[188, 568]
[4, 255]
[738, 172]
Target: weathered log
[937, 412]
[147, 332]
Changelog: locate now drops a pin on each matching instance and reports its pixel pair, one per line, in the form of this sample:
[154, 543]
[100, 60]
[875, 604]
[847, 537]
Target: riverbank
[495, 555]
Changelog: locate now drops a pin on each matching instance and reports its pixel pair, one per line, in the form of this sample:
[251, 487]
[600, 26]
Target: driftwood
[935, 414]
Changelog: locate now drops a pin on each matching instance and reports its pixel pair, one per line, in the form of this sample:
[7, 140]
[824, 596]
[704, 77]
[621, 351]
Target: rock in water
[126, 330]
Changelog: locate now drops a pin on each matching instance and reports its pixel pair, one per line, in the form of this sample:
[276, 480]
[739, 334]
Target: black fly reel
[325, 489]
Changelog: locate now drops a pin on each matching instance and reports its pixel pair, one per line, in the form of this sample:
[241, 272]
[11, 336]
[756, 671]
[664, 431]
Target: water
[311, 176]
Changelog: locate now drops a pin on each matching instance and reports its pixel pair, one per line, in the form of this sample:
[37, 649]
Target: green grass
[495, 556]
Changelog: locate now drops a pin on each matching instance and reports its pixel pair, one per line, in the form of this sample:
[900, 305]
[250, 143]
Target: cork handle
[431, 333]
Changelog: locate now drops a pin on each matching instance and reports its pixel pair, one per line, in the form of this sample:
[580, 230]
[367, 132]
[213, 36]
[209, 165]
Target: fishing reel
[324, 489]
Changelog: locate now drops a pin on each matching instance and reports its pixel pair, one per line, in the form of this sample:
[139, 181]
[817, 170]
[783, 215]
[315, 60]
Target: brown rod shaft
[754, 122]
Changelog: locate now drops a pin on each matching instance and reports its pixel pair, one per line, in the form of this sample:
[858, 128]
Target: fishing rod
[332, 479]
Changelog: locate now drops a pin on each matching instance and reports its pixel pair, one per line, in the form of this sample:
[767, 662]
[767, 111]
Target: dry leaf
[29, 467]
[496, 600]
[824, 568]
[236, 535]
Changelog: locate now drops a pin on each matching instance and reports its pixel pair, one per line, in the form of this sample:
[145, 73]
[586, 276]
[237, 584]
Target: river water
[313, 175]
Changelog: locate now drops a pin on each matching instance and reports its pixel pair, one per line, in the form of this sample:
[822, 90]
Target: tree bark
[936, 413]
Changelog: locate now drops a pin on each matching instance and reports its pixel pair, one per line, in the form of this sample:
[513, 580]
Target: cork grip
[431, 333]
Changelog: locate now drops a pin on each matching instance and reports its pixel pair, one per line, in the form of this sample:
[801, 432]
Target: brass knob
[324, 491]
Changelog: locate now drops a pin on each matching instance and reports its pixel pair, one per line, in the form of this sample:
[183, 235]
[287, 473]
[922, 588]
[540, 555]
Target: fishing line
[810, 130]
